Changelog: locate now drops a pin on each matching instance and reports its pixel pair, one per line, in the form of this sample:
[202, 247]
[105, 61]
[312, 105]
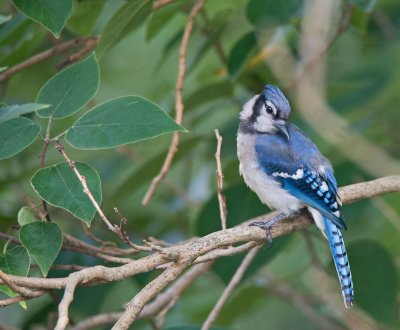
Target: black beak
[282, 128]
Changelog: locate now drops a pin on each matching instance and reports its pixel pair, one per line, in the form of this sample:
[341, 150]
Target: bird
[288, 173]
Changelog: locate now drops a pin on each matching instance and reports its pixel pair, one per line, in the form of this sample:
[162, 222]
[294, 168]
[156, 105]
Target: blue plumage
[316, 187]
[288, 172]
[275, 95]
[341, 260]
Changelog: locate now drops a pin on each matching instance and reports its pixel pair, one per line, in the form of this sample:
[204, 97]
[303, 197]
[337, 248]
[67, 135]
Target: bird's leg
[268, 224]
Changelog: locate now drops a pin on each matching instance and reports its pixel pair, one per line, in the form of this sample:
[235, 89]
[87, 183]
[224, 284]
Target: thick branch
[198, 247]
[153, 308]
[135, 306]
[187, 253]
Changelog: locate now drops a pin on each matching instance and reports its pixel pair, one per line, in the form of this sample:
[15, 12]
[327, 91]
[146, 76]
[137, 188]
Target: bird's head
[266, 112]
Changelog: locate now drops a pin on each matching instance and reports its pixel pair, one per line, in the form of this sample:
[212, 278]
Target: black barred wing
[316, 191]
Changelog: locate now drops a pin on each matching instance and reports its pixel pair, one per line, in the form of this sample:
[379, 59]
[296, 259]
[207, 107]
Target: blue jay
[288, 172]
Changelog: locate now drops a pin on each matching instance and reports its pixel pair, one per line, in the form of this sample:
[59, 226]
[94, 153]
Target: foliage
[110, 98]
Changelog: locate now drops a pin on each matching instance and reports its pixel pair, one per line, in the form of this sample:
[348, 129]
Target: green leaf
[25, 216]
[240, 53]
[12, 111]
[52, 14]
[59, 186]
[375, 279]
[160, 18]
[209, 93]
[365, 5]
[126, 19]
[205, 46]
[360, 19]
[15, 28]
[272, 12]
[14, 261]
[71, 89]
[29, 37]
[84, 16]
[120, 121]
[43, 240]
[16, 134]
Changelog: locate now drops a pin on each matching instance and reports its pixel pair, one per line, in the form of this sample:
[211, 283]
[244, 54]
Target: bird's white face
[262, 116]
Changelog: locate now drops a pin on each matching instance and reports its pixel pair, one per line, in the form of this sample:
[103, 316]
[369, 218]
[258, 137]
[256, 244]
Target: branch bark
[58, 49]
[187, 253]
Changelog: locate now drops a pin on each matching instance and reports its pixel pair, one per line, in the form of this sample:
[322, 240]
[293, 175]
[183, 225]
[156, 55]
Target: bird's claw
[267, 227]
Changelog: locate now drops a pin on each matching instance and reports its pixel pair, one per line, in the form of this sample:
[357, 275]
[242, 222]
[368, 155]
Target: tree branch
[58, 49]
[161, 3]
[151, 309]
[188, 252]
[195, 248]
[118, 230]
[135, 306]
[220, 181]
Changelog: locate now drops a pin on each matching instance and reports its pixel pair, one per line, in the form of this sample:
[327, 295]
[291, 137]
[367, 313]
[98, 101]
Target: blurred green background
[362, 83]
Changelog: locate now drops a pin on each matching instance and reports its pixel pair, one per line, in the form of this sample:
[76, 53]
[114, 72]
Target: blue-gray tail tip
[349, 301]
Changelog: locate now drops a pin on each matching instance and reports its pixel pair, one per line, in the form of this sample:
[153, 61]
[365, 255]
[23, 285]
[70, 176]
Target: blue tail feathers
[341, 260]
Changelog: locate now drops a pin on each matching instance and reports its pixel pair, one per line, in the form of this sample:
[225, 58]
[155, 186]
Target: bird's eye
[269, 109]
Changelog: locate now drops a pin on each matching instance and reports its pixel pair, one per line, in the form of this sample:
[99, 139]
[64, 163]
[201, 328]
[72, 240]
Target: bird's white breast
[268, 190]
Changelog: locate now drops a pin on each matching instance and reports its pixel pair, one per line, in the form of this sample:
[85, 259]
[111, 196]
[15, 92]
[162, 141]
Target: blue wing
[300, 174]
[318, 192]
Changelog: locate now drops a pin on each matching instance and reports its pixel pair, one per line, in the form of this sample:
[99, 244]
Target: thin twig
[86, 49]
[106, 253]
[58, 49]
[229, 289]
[173, 148]
[43, 164]
[46, 144]
[161, 3]
[220, 182]
[86, 189]
[10, 301]
[92, 236]
[125, 236]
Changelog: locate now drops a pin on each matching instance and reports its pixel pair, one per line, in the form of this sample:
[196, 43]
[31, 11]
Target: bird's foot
[268, 224]
[267, 227]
